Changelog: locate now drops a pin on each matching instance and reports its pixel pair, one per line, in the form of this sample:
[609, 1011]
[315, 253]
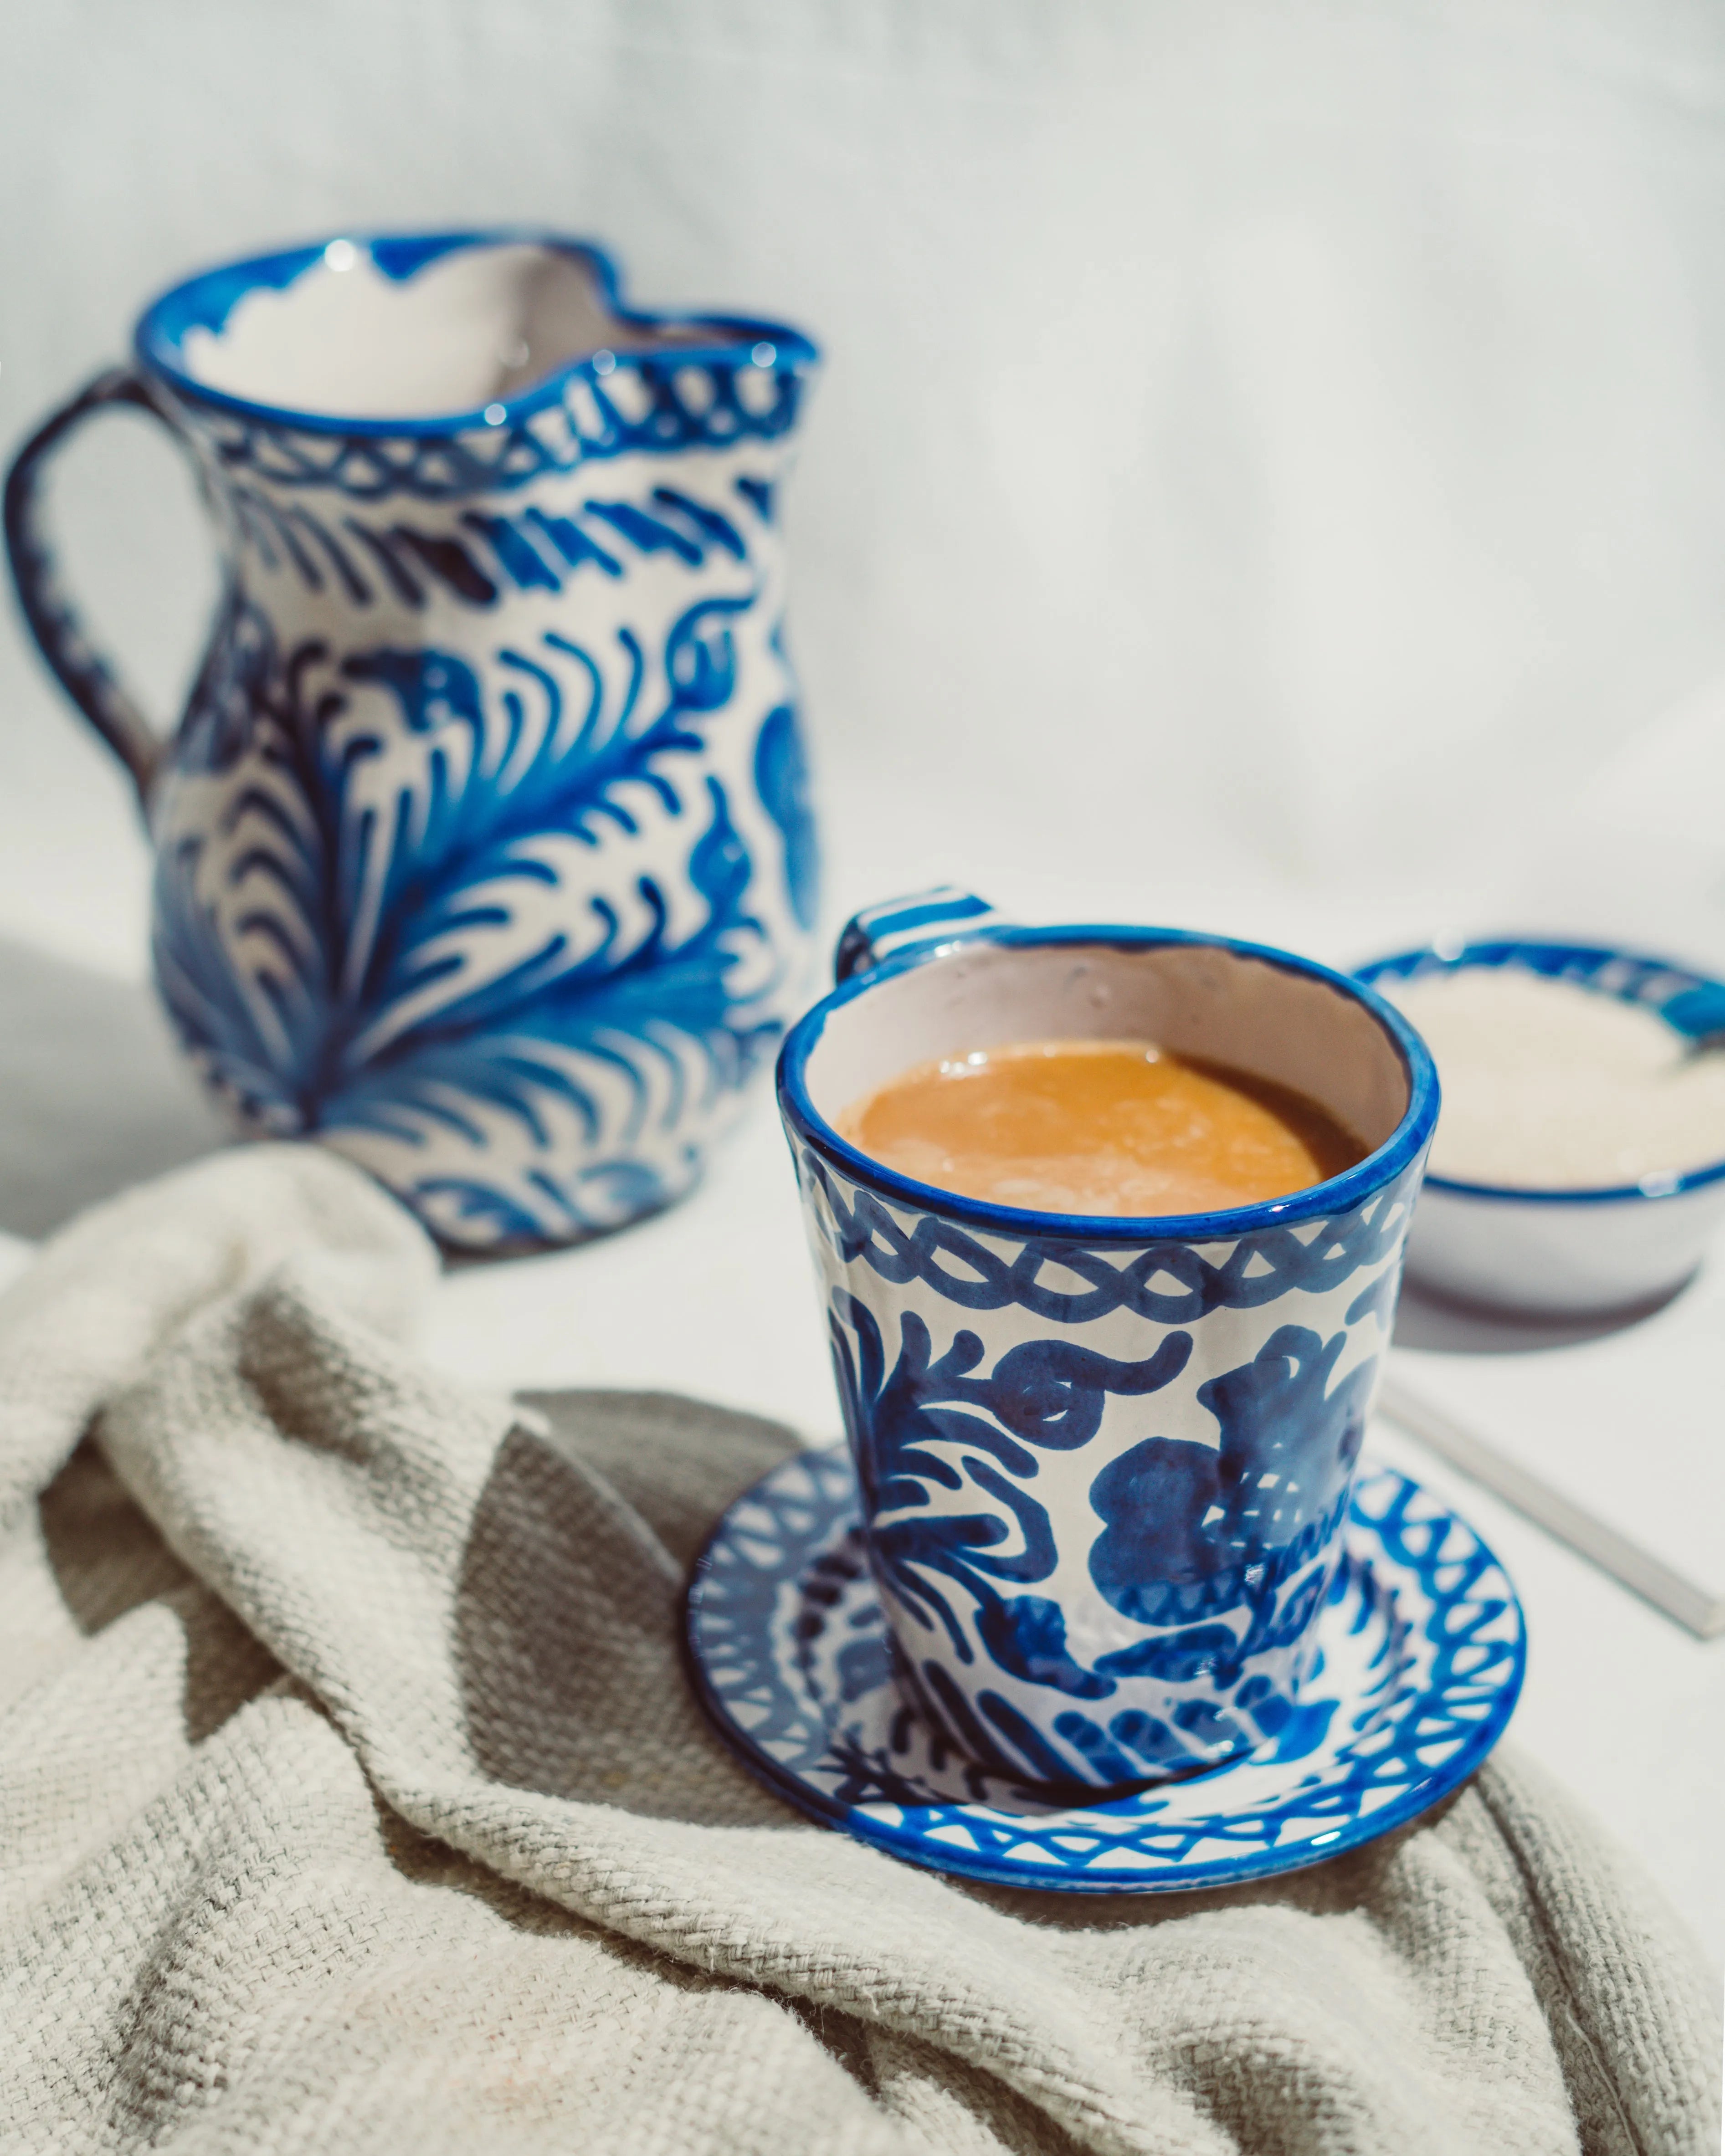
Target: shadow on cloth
[568, 1612]
[107, 1559]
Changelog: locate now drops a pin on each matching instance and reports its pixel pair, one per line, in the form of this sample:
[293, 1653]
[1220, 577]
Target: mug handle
[83, 673]
[881, 932]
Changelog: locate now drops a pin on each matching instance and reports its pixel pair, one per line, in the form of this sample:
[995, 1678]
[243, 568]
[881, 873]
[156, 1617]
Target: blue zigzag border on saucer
[1420, 1602]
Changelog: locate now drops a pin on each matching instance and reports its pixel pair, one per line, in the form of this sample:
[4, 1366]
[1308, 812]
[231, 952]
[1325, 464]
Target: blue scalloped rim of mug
[1337, 1195]
[1652, 984]
[206, 301]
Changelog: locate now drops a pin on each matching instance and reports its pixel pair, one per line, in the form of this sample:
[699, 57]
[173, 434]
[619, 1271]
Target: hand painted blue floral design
[367, 1002]
[987, 1273]
[782, 781]
[1043, 1394]
[1034, 1437]
[1216, 1555]
[1422, 1651]
[484, 846]
[1193, 1528]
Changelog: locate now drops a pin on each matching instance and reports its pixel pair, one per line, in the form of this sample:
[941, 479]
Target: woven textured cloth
[352, 1798]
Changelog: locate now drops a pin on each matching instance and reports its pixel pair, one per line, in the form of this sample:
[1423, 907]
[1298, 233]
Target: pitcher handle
[926, 917]
[83, 673]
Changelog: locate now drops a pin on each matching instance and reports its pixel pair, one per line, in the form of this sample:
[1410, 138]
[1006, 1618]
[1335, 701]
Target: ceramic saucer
[1421, 1652]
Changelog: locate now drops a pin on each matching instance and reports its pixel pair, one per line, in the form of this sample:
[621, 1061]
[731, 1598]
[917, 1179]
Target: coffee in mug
[1099, 1126]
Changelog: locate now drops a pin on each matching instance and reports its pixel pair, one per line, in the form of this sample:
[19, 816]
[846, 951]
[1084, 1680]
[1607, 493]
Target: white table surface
[716, 1297]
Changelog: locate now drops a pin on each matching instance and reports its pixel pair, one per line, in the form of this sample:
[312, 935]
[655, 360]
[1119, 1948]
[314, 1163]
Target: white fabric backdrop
[1263, 447]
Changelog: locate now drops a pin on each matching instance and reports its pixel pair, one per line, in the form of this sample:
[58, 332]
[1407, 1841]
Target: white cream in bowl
[1579, 1163]
[1551, 1086]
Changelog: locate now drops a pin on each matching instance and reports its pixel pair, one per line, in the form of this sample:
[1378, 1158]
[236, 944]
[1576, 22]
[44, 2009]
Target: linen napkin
[353, 1797]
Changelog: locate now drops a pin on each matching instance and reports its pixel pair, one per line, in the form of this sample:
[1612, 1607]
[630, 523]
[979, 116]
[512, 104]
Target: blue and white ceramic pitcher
[484, 847]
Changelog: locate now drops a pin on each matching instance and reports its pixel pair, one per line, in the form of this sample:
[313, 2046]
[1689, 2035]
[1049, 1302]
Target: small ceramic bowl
[1567, 1253]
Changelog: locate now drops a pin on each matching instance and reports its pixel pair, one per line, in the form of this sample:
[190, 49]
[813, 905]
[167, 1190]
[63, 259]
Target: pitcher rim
[206, 298]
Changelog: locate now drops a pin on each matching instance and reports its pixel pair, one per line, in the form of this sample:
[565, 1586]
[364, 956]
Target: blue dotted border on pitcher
[736, 379]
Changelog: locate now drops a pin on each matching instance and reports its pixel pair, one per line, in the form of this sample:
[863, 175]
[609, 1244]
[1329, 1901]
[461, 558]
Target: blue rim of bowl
[1340, 1193]
[1577, 962]
[206, 301]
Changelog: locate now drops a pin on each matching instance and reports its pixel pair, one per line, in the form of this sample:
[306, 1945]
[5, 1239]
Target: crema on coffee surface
[1109, 1127]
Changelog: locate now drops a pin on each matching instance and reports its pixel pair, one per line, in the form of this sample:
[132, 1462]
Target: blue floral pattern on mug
[1109, 1535]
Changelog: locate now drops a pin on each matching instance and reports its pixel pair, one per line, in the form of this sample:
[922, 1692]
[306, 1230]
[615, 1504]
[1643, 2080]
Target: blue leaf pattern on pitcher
[782, 781]
[497, 909]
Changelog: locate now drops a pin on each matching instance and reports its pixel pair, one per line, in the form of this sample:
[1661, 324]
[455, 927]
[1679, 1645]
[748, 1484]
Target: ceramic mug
[484, 851]
[1103, 1463]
